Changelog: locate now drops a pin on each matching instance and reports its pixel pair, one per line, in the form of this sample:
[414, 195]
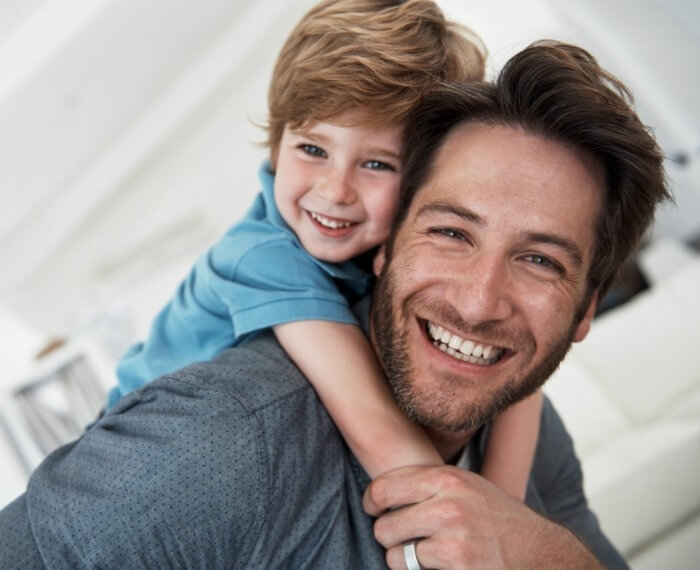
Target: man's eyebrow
[382, 151]
[452, 209]
[567, 245]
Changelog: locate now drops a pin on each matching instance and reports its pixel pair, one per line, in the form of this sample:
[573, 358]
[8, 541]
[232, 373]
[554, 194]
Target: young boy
[343, 84]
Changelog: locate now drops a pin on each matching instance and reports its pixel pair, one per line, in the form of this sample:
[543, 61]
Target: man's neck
[450, 444]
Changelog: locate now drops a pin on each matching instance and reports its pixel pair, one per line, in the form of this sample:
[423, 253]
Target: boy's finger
[410, 485]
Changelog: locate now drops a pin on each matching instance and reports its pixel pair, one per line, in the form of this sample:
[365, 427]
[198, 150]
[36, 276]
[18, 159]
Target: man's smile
[463, 349]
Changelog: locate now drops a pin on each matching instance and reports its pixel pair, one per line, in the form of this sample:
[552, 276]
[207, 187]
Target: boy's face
[338, 187]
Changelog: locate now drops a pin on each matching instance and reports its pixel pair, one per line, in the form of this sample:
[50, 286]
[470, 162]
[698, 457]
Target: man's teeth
[461, 349]
[328, 222]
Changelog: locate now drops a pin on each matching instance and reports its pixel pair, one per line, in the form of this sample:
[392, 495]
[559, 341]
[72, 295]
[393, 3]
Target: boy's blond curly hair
[376, 56]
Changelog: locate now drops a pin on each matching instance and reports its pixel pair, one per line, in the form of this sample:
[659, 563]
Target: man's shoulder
[232, 462]
[268, 453]
[256, 373]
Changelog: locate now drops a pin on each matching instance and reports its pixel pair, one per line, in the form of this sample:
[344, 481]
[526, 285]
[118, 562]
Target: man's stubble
[428, 407]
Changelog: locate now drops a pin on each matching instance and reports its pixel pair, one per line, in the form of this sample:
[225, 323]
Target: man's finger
[396, 556]
[428, 553]
[401, 525]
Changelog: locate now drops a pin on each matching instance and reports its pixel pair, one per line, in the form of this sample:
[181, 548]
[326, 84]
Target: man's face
[479, 297]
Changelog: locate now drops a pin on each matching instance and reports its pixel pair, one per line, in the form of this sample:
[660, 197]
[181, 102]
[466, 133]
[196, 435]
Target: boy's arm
[343, 368]
[511, 446]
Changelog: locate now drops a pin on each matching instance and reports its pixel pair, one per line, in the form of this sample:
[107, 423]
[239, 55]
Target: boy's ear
[379, 260]
[585, 325]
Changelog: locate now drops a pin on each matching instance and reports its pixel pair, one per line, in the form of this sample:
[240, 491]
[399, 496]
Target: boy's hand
[463, 521]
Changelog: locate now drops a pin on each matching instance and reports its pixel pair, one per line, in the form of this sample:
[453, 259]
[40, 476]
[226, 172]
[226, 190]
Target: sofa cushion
[643, 482]
[645, 354]
[663, 257]
[679, 550]
[589, 415]
[688, 408]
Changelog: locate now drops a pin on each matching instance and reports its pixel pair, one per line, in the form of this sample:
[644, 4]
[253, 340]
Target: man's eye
[545, 262]
[449, 233]
[313, 150]
[379, 165]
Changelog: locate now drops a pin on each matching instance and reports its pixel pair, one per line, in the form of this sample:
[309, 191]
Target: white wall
[131, 144]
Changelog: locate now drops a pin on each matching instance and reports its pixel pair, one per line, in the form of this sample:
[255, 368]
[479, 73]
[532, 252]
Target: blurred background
[128, 144]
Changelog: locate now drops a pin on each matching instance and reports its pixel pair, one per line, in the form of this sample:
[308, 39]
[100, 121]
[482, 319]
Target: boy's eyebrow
[311, 134]
[567, 245]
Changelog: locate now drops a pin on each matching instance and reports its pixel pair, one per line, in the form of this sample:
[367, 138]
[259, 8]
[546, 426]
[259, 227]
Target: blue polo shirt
[257, 276]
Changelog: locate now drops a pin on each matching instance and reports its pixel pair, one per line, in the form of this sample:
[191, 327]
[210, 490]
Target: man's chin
[433, 411]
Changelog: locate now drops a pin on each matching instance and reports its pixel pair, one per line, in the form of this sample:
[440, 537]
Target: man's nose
[338, 187]
[481, 290]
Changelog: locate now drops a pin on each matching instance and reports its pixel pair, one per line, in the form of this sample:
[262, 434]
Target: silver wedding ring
[410, 556]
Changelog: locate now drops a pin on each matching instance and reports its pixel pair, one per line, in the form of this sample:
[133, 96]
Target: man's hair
[378, 57]
[558, 92]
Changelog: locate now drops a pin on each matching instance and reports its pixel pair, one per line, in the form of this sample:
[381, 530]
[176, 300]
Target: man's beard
[436, 410]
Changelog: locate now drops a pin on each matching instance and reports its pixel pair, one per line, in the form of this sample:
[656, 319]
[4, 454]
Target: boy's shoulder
[252, 234]
[258, 248]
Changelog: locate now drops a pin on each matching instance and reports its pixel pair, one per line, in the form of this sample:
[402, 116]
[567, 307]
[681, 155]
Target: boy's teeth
[461, 349]
[327, 222]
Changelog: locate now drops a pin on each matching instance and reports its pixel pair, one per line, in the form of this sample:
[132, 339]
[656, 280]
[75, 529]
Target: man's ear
[379, 260]
[585, 325]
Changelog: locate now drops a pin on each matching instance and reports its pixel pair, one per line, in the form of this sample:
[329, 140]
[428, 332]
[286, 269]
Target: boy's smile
[337, 186]
[332, 227]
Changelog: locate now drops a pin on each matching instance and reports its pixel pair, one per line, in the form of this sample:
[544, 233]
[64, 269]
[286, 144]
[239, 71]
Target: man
[521, 200]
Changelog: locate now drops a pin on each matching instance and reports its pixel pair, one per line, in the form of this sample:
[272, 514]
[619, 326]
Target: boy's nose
[338, 188]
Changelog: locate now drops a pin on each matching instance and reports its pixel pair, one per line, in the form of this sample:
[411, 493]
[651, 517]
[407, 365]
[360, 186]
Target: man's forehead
[499, 170]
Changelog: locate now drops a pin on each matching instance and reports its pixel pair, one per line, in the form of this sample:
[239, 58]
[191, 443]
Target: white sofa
[630, 396]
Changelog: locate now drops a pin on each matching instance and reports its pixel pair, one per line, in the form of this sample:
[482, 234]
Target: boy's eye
[313, 150]
[379, 165]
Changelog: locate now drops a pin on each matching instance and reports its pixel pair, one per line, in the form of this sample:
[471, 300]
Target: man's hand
[464, 521]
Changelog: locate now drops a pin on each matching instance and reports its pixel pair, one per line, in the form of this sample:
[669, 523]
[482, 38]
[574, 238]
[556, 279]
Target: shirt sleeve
[277, 282]
[18, 549]
[193, 326]
[244, 284]
[174, 477]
